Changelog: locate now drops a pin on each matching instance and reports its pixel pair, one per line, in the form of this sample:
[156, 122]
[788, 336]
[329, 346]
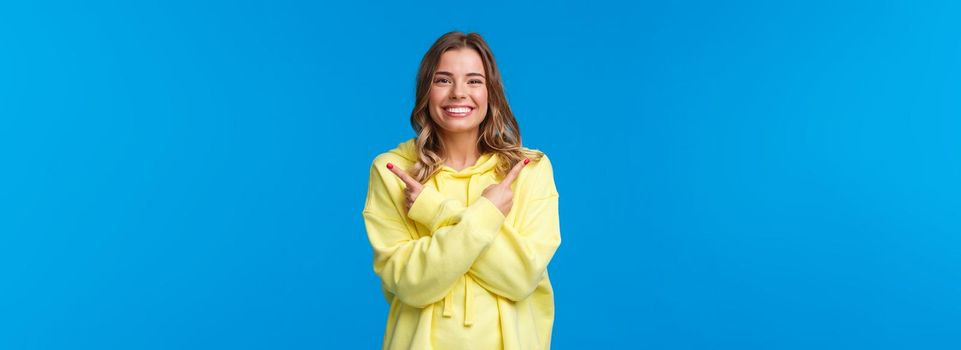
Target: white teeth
[458, 110]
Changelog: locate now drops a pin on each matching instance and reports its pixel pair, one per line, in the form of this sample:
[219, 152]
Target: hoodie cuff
[426, 207]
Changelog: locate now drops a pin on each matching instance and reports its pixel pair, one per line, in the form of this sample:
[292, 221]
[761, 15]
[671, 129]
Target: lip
[457, 115]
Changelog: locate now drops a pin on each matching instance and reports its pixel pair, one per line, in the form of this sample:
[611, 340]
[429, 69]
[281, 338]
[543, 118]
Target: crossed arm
[515, 261]
[507, 257]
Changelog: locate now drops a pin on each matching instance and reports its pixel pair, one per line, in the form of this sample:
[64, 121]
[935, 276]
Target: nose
[459, 91]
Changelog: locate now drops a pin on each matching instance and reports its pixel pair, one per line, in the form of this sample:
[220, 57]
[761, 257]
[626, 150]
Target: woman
[462, 219]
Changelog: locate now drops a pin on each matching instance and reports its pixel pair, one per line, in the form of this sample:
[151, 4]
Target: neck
[461, 149]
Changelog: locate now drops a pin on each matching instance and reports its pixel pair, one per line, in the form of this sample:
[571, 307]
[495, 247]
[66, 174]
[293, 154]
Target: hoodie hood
[485, 163]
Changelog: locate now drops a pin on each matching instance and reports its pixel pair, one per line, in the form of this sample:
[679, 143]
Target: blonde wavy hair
[499, 132]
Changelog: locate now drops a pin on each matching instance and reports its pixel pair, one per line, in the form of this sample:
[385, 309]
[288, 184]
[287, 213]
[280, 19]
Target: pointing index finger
[409, 181]
[515, 171]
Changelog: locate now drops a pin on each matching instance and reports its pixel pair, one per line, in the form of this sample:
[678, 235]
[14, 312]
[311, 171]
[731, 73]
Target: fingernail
[527, 160]
[390, 166]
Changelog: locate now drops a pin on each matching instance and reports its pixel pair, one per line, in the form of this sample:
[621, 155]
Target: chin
[458, 128]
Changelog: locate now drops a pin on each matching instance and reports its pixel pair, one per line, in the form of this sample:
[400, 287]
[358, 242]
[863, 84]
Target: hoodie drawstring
[468, 300]
[448, 306]
[468, 316]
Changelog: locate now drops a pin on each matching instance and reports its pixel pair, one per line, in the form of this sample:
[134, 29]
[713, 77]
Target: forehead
[461, 61]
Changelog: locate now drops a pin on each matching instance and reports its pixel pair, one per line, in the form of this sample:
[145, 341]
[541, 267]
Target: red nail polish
[527, 160]
[390, 166]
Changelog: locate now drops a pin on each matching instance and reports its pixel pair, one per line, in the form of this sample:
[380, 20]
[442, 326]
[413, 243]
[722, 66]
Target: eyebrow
[468, 74]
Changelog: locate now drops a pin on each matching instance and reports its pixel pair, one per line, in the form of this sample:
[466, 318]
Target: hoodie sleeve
[421, 270]
[517, 259]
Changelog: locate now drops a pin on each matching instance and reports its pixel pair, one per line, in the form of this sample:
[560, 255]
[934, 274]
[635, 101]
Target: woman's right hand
[412, 188]
[500, 194]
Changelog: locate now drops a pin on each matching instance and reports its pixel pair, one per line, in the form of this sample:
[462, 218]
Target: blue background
[733, 175]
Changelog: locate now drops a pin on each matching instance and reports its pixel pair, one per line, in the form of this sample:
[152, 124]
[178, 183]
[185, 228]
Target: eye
[441, 80]
[475, 81]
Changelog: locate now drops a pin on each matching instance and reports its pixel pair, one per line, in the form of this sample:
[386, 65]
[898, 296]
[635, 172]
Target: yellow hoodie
[457, 273]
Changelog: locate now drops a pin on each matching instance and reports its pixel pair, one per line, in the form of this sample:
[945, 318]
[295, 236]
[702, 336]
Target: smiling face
[458, 92]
